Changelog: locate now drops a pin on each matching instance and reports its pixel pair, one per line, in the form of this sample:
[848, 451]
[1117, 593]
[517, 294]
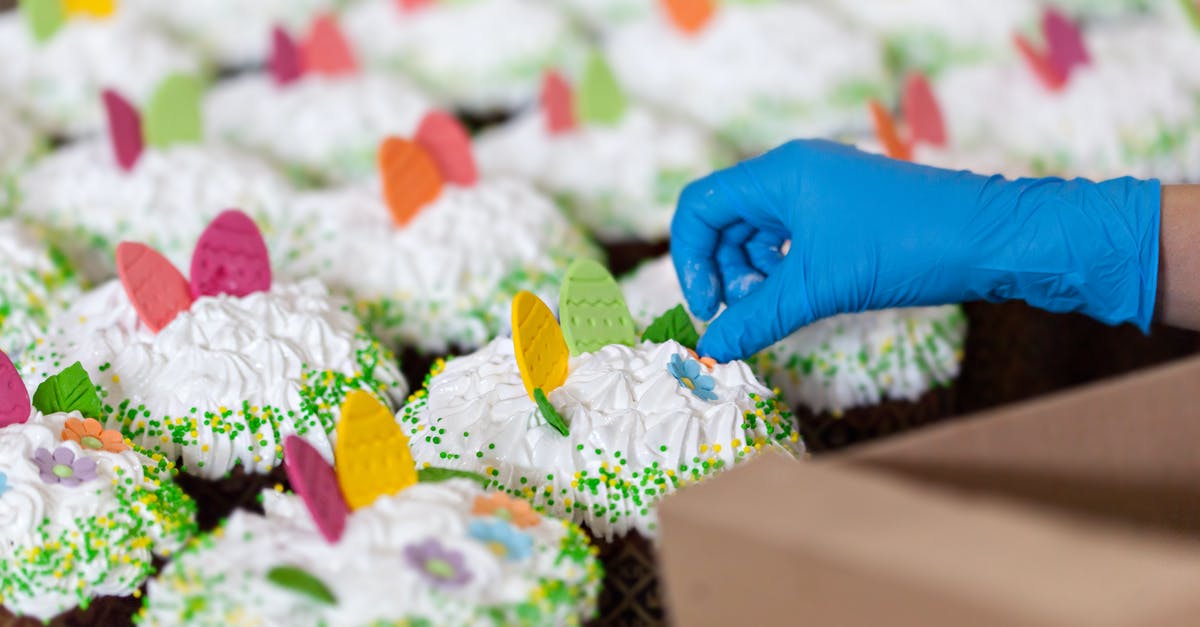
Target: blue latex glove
[868, 232]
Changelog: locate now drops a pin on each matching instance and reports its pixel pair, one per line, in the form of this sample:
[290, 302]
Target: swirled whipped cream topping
[327, 128]
[20, 142]
[759, 74]
[604, 14]
[85, 528]
[36, 282]
[231, 32]
[90, 205]
[621, 181]
[57, 83]
[226, 381]
[644, 421]
[1150, 130]
[418, 557]
[469, 53]
[965, 30]
[448, 276]
[837, 363]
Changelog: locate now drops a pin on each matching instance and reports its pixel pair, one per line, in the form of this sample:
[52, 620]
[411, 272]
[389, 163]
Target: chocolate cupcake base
[216, 499]
[825, 433]
[625, 257]
[106, 611]
[629, 594]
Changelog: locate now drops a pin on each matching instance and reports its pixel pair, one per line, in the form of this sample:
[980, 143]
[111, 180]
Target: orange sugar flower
[92, 436]
[505, 507]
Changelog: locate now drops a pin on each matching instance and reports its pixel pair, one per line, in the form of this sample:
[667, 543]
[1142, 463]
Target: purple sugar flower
[441, 566]
[63, 467]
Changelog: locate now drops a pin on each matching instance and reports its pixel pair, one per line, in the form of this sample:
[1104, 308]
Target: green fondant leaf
[676, 325]
[549, 413]
[44, 17]
[600, 100]
[173, 113]
[1192, 10]
[435, 475]
[69, 390]
[301, 582]
[592, 310]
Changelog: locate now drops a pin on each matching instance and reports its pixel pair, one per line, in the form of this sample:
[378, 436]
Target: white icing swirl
[226, 381]
[470, 53]
[91, 205]
[367, 569]
[57, 83]
[636, 432]
[1152, 129]
[105, 528]
[447, 277]
[35, 284]
[620, 181]
[232, 32]
[19, 142]
[759, 74]
[965, 29]
[327, 127]
[838, 363]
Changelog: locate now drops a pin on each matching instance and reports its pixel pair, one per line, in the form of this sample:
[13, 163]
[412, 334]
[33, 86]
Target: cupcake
[409, 549]
[57, 58]
[931, 35]
[151, 180]
[756, 73]
[228, 32]
[314, 111]
[84, 511]
[1049, 107]
[590, 422]
[467, 53]
[616, 166]
[216, 370]
[36, 282]
[430, 252]
[838, 363]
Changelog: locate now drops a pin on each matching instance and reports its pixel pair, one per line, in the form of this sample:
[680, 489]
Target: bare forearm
[1179, 263]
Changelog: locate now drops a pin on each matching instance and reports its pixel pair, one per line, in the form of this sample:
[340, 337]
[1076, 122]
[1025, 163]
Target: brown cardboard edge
[859, 548]
[1127, 450]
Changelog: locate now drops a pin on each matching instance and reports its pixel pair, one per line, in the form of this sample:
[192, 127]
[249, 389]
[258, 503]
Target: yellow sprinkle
[116, 378]
[703, 448]
[716, 448]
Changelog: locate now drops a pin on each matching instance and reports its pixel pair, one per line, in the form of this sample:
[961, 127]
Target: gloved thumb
[768, 313]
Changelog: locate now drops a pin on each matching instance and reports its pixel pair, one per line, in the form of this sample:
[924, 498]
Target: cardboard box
[1078, 509]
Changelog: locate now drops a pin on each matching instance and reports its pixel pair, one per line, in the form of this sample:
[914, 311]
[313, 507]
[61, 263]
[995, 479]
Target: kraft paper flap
[901, 553]
[1128, 449]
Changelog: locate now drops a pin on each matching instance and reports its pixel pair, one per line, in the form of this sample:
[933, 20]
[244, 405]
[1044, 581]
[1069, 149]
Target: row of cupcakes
[232, 368]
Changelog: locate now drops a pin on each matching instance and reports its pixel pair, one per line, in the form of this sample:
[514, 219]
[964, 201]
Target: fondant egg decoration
[542, 354]
[411, 178]
[230, 258]
[592, 309]
[156, 289]
[316, 483]
[91, 8]
[14, 398]
[371, 454]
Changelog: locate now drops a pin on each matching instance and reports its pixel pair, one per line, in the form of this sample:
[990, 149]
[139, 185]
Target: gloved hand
[868, 232]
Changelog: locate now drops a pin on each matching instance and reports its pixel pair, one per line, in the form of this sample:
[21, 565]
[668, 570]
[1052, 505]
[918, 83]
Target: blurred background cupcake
[483, 58]
[57, 61]
[313, 110]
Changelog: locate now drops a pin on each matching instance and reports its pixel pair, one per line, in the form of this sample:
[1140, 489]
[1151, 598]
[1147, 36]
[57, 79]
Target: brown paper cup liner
[824, 432]
[102, 611]
[217, 499]
[630, 595]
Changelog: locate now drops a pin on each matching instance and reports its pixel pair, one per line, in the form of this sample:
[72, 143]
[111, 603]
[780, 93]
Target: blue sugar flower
[3, 484]
[687, 373]
[505, 540]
